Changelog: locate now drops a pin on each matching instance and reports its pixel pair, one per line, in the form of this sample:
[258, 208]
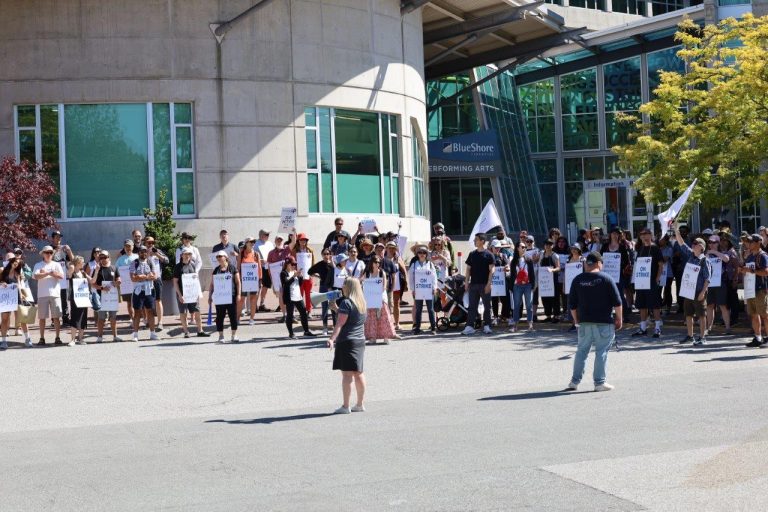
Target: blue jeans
[418, 307]
[520, 291]
[326, 309]
[602, 335]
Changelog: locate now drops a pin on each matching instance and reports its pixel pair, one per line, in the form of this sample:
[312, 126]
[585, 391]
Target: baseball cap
[128, 241]
[392, 244]
[222, 253]
[56, 233]
[529, 238]
[755, 238]
[342, 233]
[263, 232]
[549, 241]
[142, 248]
[340, 258]
[496, 244]
[18, 251]
[47, 248]
[379, 245]
[439, 225]
[593, 258]
[699, 241]
[707, 232]
[575, 248]
[103, 254]
[302, 236]
[744, 234]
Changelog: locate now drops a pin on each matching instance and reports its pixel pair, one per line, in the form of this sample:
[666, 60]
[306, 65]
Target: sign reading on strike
[250, 277]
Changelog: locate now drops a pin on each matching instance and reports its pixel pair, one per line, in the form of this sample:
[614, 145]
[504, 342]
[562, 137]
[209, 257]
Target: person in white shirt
[158, 259]
[264, 246]
[143, 274]
[124, 261]
[47, 273]
[186, 242]
[354, 266]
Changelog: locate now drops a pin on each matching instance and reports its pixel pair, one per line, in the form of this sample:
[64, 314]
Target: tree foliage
[710, 122]
[161, 226]
[27, 207]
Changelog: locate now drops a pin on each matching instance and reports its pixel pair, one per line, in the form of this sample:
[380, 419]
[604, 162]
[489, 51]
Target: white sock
[643, 325]
[658, 324]
[759, 338]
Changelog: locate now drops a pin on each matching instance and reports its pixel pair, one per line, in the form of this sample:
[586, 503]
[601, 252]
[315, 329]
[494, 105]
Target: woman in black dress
[349, 339]
[78, 316]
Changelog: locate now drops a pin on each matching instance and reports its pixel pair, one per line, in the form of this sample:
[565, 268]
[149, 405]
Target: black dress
[78, 317]
[350, 344]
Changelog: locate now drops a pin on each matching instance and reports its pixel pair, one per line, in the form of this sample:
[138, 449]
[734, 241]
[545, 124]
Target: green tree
[161, 226]
[710, 122]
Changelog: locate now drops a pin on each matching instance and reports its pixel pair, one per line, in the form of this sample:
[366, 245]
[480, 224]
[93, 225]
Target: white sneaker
[572, 386]
[135, 337]
[342, 410]
[487, 330]
[72, 343]
[153, 336]
[28, 343]
[251, 322]
[325, 332]
[235, 339]
[358, 408]
[116, 339]
[603, 387]
[99, 339]
[468, 330]
[221, 339]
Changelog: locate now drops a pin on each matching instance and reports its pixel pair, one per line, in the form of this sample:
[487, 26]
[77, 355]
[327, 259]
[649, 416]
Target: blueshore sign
[469, 155]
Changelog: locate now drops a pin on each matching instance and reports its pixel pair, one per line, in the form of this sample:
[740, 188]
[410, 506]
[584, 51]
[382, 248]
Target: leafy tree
[161, 226]
[710, 122]
[27, 205]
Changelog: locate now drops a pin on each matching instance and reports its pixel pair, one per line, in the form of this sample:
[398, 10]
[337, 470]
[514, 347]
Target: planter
[170, 305]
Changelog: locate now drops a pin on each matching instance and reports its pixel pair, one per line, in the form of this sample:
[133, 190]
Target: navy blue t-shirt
[594, 295]
[479, 266]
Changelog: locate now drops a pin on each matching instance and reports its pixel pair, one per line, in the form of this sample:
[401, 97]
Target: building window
[663, 60]
[454, 116]
[546, 171]
[111, 160]
[622, 95]
[457, 202]
[538, 101]
[578, 93]
[418, 174]
[353, 161]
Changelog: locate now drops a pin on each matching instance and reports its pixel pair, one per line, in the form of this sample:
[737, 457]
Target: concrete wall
[249, 92]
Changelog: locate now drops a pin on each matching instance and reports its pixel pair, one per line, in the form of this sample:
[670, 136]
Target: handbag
[95, 300]
[27, 313]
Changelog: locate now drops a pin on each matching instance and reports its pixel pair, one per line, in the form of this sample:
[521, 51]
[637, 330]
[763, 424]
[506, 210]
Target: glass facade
[353, 161]
[111, 160]
[457, 202]
[453, 113]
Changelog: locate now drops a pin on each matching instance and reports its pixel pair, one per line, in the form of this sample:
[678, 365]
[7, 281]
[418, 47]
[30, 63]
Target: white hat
[188, 250]
[495, 243]
[47, 248]
[222, 253]
[707, 232]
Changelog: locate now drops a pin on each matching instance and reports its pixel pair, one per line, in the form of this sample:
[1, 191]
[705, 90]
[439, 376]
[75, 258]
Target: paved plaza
[453, 424]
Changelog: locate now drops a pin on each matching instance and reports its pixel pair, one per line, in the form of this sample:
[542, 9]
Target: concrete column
[608, 6]
[760, 7]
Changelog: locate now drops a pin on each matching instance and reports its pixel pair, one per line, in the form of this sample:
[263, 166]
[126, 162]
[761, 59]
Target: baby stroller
[450, 302]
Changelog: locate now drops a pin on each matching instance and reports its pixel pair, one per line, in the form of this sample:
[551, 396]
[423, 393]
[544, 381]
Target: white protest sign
[612, 265]
[716, 279]
[274, 273]
[373, 288]
[563, 261]
[250, 276]
[423, 288]
[396, 281]
[498, 282]
[126, 285]
[64, 282]
[750, 283]
[222, 289]
[9, 298]
[402, 240]
[642, 273]
[190, 288]
[546, 283]
[369, 225]
[81, 293]
[109, 296]
[287, 219]
[339, 276]
[264, 250]
[303, 262]
[571, 271]
[688, 282]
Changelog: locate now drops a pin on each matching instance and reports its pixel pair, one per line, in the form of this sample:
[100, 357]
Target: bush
[161, 226]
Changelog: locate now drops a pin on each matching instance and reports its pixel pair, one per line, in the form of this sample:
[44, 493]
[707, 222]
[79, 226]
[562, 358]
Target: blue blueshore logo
[479, 149]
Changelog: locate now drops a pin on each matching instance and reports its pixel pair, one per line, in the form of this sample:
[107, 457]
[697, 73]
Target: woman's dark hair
[96, 251]
[7, 270]
[369, 265]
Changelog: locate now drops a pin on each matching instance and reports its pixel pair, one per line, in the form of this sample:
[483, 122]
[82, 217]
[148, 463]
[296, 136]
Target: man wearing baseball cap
[696, 306]
[61, 255]
[595, 304]
[48, 274]
[756, 263]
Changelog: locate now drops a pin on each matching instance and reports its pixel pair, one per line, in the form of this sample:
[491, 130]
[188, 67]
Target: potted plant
[161, 226]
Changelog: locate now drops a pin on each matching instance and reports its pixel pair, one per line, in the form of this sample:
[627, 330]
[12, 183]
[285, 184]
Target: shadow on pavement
[315, 343]
[732, 358]
[531, 396]
[274, 419]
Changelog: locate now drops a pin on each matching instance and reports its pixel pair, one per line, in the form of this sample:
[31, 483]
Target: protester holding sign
[668, 274]
[158, 259]
[123, 265]
[251, 272]
[573, 267]
[562, 252]
[275, 262]
[80, 298]
[305, 258]
[11, 282]
[499, 286]
[62, 254]
[399, 280]
[143, 274]
[717, 294]
[621, 270]
[378, 323]
[107, 284]
[755, 271]
[291, 283]
[225, 289]
[693, 288]
[264, 247]
[423, 278]
[48, 273]
[549, 288]
[323, 270]
[523, 277]
[185, 277]
[648, 298]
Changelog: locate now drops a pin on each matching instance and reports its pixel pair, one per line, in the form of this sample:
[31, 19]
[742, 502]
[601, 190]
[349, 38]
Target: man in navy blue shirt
[479, 269]
[595, 304]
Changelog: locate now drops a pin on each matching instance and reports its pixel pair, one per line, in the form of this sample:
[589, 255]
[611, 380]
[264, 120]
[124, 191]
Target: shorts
[758, 305]
[106, 315]
[48, 307]
[143, 301]
[694, 307]
[157, 290]
[717, 296]
[126, 297]
[191, 307]
[266, 278]
[648, 299]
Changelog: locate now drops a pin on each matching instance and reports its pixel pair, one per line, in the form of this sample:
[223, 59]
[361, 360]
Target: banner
[571, 271]
[64, 282]
[9, 298]
[249, 273]
[222, 289]
[641, 274]
[274, 273]
[546, 283]
[190, 288]
[716, 279]
[423, 288]
[287, 219]
[750, 282]
[369, 225]
[303, 262]
[110, 299]
[488, 219]
[373, 288]
[126, 285]
[498, 282]
[473, 155]
[81, 293]
[612, 265]
[688, 282]
[666, 218]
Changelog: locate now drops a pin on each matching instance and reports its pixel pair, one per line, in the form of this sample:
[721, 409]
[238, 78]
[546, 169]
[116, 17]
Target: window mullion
[62, 164]
[172, 117]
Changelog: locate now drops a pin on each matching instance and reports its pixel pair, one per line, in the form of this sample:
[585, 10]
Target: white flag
[488, 219]
[666, 218]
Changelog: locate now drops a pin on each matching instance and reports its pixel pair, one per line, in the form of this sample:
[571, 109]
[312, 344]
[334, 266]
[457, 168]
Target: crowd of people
[497, 280]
